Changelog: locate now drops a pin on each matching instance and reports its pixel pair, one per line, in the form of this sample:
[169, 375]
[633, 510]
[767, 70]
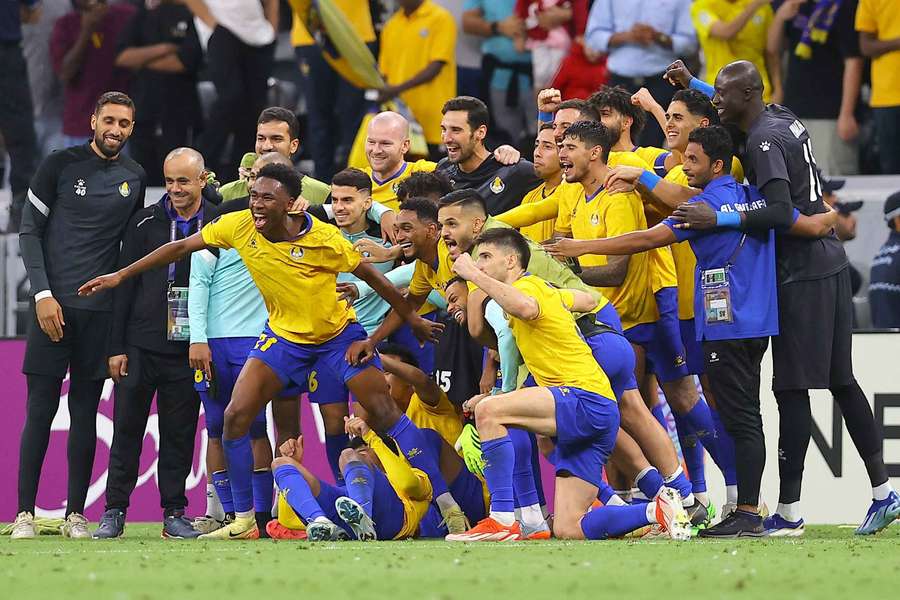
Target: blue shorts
[228, 358]
[608, 316]
[696, 361]
[388, 511]
[586, 428]
[424, 353]
[324, 387]
[615, 356]
[292, 362]
[662, 340]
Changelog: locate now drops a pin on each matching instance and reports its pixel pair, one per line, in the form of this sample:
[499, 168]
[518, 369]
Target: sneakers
[738, 524]
[355, 516]
[881, 514]
[727, 509]
[75, 527]
[778, 526]
[455, 520]
[23, 528]
[208, 524]
[488, 530]
[112, 525]
[242, 528]
[671, 516]
[178, 527]
[277, 531]
[322, 529]
[534, 533]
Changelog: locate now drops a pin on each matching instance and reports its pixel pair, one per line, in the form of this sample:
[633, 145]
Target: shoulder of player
[423, 165]
[129, 164]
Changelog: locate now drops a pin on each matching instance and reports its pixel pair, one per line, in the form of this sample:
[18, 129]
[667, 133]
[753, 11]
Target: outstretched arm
[629, 243]
[164, 255]
[624, 179]
[426, 388]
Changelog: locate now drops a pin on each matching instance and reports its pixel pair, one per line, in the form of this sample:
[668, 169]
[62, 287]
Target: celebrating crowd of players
[454, 320]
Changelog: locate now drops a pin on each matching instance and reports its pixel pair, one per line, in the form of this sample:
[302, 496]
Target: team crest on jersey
[252, 243]
[765, 146]
[497, 185]
[395, 187]
[296, 252]
[80, 187]
[124, 190]
[595, 219]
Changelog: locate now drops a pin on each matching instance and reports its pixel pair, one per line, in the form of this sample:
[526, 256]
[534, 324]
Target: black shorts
[83, 346]
[458, 362]
[813, 348]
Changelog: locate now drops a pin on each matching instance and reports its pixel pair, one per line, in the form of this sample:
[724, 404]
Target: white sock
[789, 512]
[624, 495]
[531, 516]
[615, 500]
[731, 494]
[250, 514]
[686, 500]
[445, 502]
[639, 495]
[213, 505]
[504, 518]
[702, 498]
[651, 512]
[322, 519]
[882, 491]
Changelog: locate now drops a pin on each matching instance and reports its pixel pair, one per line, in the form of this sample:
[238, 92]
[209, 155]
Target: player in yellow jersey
[571, 404]
[294, 260]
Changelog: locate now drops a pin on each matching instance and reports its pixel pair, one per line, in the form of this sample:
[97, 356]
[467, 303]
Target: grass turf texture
[829, 562]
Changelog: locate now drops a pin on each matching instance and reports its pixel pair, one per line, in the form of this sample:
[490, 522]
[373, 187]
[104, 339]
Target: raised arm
[426, 387]
[511, 300]
[165, 254]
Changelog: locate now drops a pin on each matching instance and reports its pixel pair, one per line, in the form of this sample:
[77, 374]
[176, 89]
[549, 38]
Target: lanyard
[737, 251]
[173, 232]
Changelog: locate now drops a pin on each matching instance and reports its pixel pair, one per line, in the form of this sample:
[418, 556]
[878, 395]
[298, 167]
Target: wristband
[728, 219]
[794, 216]
[702, 86]
[545, 117]
[649, 180]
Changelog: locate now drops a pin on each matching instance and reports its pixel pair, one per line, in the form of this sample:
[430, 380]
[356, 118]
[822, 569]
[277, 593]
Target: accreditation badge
[716, 296]
[178, 328]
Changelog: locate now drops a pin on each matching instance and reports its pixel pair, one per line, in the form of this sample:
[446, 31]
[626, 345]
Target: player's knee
[237, 421]
[486, 413]
[257, 430]
[567, 529]
[348, 455]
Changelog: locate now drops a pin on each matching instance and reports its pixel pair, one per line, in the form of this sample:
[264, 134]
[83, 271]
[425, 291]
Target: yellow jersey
[442, 418]
[540, 340]
[411, 43]
[385, 192]
[356, 13]
[748, 44]
[412, 486]
[654, 157]
[293, 276]
[882, 18]
[433, 277]
[609, 215]
[558, 205]
[543, 230]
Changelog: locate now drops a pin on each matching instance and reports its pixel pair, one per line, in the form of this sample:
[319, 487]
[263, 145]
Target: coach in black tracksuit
[148, 351]
[79, 202]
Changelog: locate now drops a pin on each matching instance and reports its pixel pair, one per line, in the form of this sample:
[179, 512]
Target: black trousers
[17, 125]
[240, 73]
[178, 406]
[662, 92]
[733, 370]
[81, 352]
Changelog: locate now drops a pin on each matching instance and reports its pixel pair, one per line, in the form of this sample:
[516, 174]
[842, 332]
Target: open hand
[104, 282]
[565, 247]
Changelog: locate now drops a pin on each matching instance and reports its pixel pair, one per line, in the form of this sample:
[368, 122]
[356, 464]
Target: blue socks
[523, 472]
[659, 414]
[360, 484]
[263, 484]
[500, 460]
[334, 445]
[223, 490]
[726, 449]
[239, 458]
[298, 493]
[679, 482]
[605, 493]
[649, 481]
[409, 438]
[612, 521]
[699, 421]
[694, 455]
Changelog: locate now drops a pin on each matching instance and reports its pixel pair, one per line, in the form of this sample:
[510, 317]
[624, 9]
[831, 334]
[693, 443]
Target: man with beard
[79, 203]
[470, 165]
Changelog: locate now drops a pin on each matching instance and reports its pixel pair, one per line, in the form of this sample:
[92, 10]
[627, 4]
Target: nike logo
[234, 535]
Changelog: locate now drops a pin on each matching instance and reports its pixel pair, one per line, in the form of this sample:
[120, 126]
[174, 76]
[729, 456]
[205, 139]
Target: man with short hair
[884, 280]
[471, 166]
[97, 188]
[148, 352]
[432, 186]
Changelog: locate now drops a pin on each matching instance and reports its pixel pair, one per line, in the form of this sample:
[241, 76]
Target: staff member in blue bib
[736, 303]
[148, 352]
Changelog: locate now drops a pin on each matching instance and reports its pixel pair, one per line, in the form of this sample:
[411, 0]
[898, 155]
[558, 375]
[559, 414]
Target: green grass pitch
[829, 562]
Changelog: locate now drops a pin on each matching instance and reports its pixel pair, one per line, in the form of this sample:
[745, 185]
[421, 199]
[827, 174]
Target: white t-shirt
[243, 18]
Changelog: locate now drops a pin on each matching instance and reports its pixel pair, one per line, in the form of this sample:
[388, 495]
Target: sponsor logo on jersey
[764, 146]
[413, 452]
[595, 219]
[497, 185]
[296, 252]
[124, 190]
[80, 187]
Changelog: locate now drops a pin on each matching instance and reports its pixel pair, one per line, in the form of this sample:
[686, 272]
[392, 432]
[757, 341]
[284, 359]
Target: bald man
[148, 351]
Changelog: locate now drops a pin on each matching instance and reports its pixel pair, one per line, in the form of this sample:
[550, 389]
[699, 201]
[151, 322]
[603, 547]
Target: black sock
[794, 432]
[861, 425]
[262, 518]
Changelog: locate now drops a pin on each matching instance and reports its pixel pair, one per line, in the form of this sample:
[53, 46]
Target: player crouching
[573, 405]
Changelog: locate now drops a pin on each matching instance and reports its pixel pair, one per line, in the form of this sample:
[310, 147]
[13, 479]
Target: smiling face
[459, 228]
[269, 204]
[457, 294]
[275, 136]
[562, 120]
[575, 159]
[458, 137]
[112, 127]
[414, 237]
[350, 206]
[185, 180]
[546, 155]
[679, 125]
[387, 143]
[730, 98]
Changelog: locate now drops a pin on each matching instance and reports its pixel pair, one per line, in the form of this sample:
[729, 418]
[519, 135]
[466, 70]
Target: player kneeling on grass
[384, 496]
[573, 405]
